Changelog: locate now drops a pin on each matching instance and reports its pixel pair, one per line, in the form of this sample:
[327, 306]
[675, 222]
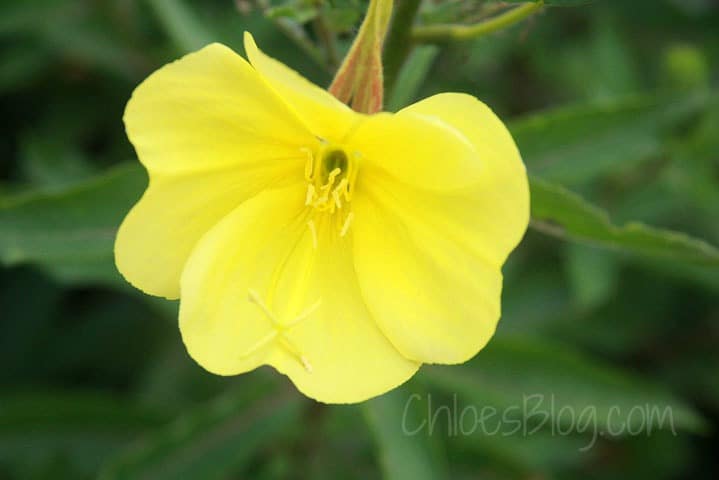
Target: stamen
[321, 205]
[302, 316]
[254, 297]
[292, 350]
[341, 187]
[313, 231]
[306, 363]
[278, 331]
[346, 225]
[310, 194]
[260, 343]
[309, 165]
[331, 177]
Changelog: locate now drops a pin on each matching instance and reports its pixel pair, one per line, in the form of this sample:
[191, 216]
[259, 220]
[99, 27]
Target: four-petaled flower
[342, 249]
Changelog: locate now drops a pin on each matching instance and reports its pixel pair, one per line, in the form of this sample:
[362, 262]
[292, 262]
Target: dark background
[94, 376]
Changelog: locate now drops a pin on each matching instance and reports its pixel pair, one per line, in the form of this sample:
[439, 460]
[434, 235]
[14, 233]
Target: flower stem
[443, 33]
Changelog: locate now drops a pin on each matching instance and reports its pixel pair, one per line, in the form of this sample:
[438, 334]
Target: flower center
[330, 173]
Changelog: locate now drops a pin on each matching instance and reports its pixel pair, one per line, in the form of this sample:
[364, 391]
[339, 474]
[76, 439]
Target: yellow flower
[342, 249]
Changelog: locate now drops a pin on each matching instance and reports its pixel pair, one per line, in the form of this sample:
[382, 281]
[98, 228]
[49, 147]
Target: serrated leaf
[559, 212]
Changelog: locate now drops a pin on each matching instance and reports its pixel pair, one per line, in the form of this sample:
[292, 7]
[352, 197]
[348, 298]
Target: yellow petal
[415, 149]
[439, 254]
[158, 234]
[255, 274]
[498, 204]
[324, 115]
[210, 109]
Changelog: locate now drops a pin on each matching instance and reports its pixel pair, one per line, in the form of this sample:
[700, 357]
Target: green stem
[443, 33]
[399, 41]
[300, 39]
[327, 37]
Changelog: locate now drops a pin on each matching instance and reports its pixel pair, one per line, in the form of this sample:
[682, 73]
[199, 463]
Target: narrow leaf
[573, 145]
[212, 441]
[538, 381]
[559, 212]
[71, 230]
[403, 455]
[554, 3]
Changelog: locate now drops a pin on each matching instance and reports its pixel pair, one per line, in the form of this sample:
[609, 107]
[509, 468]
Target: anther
[292, 350]
[309, 165]
[331, 177]
[306, 364]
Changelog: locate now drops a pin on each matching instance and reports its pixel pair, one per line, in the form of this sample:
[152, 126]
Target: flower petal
[323, 114]
[210, 109]
[439, 254]
[158, 234]
[257, 269]
[416, 149]
[497, 206]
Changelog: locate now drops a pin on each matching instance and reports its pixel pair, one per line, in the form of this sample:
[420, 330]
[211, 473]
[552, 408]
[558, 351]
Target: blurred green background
[614, 101]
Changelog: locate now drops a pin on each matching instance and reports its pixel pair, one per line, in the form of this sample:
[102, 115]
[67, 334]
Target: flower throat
[330, 174]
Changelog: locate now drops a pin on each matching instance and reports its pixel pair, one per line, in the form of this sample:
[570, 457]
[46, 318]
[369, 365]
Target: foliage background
[615, 101]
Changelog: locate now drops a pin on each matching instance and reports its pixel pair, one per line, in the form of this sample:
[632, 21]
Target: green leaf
[299, 12]
[182, 25]
[71, 231]
[574, 145]
[48, 163]
[19, 64]
[84, 427]
[403, 455]
[538, 381]
[554, 3]
[528, 455]
[592, 274]
[42, 28]
[559, 212]
[213, 440]
[412, 75]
